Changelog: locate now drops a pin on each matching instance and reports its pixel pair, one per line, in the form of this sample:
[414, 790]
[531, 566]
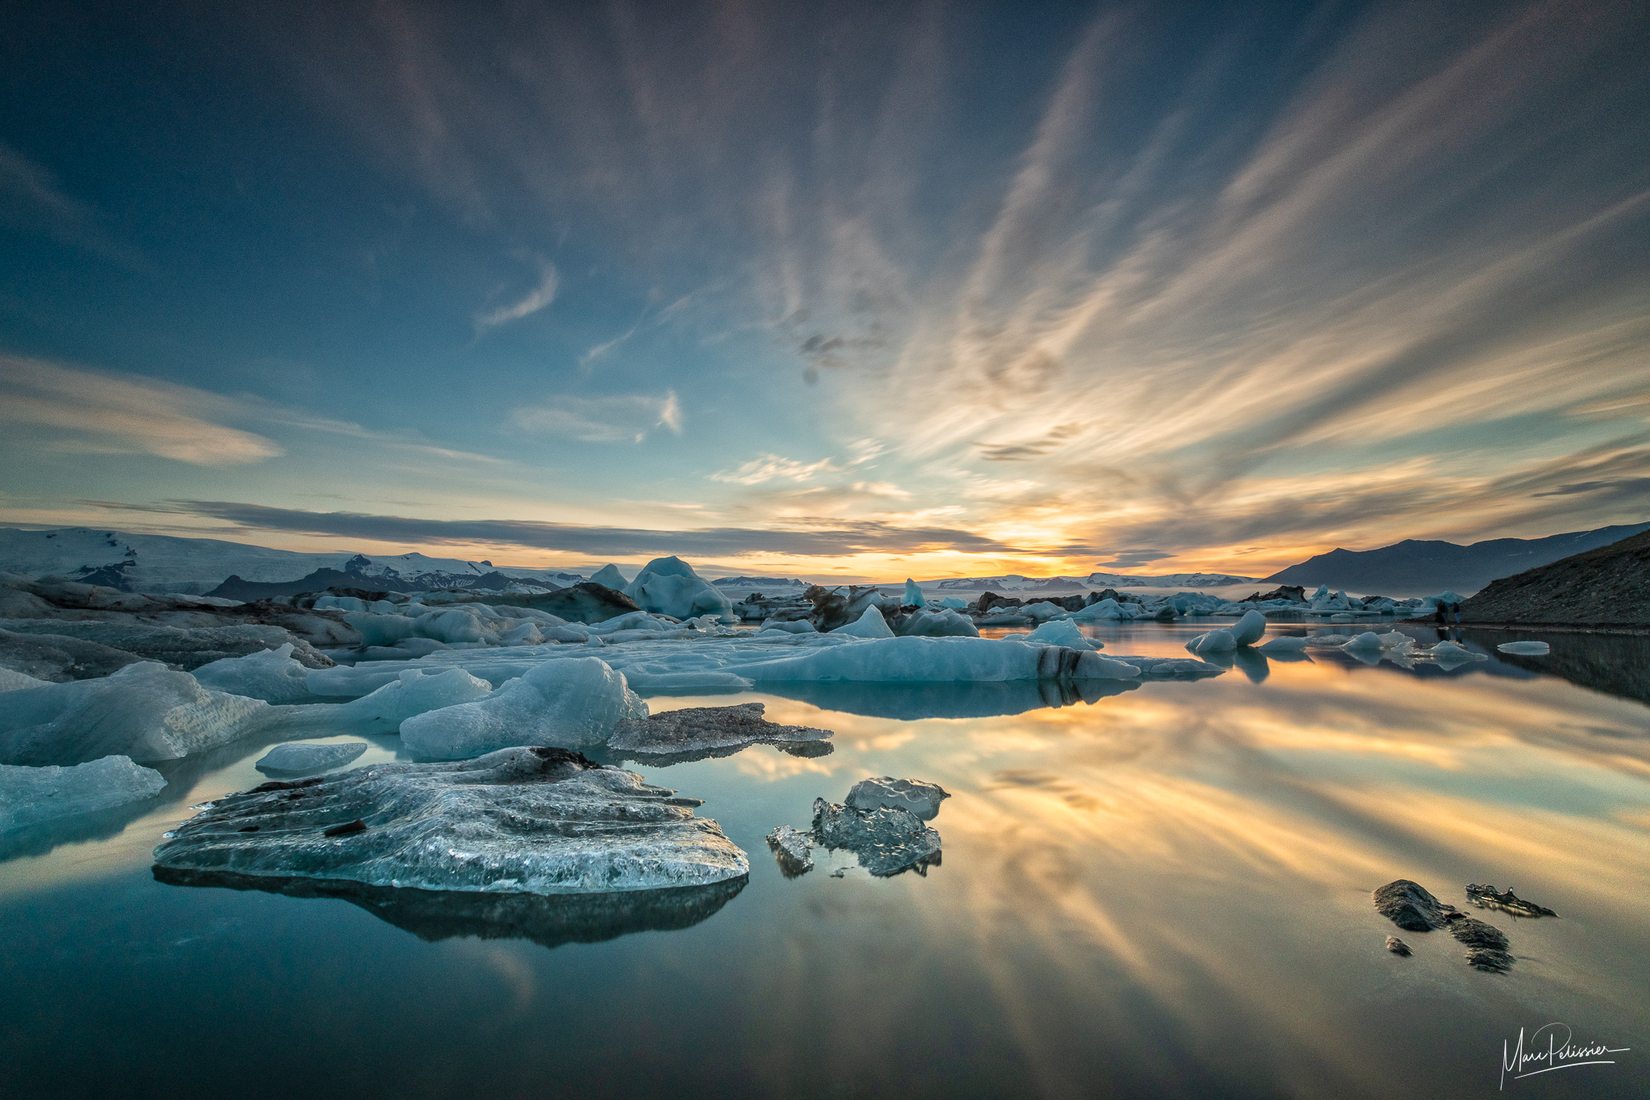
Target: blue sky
[855, 290]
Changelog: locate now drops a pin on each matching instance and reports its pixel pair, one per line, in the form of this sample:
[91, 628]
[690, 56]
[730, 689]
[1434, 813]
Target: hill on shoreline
[1604, 587]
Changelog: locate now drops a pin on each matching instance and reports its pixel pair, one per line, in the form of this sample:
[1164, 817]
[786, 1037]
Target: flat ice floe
[298, 758]
[31, 795]
[521, 820]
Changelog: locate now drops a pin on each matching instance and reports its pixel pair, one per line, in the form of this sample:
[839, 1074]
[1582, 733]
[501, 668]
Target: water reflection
[549, 921]
[1158, 892]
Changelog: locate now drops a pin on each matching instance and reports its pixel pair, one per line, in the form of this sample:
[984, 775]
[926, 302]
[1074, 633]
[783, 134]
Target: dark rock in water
[1397, 946]
[1486, 944]
[989, 600]
[1291, 592]
[834, 607]
[793, 850]
[1411, 906]
[1488, 897]
[885, 840]
[701, 731]
[548, 920]
[528, 820]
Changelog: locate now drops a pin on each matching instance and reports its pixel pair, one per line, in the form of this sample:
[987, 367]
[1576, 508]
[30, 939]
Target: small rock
[1411, 906]
[1397, 946]
[1488, 897]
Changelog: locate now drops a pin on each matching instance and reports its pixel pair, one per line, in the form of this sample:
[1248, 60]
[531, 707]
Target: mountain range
[1419, 568]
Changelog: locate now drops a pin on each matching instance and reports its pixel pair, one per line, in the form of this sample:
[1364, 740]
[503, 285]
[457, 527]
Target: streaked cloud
[93, 412]
[820, 539]
[539, 297]
[621, 418]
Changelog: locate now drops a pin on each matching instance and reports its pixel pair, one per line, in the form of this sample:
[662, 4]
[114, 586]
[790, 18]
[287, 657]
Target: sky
[831, 289]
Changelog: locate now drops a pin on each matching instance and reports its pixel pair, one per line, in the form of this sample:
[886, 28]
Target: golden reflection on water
[1209, 849]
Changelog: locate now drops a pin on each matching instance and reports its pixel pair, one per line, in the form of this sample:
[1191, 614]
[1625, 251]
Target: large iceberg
[145, 711]
[913, 593]
[572, 703]
[29, 796]
[669, 586]
[521, 820]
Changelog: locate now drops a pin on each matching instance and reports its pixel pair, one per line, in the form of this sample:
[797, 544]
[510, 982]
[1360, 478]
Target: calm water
[1160, 892]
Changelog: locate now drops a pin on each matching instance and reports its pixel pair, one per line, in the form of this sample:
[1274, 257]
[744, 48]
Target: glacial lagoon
[1160, 889]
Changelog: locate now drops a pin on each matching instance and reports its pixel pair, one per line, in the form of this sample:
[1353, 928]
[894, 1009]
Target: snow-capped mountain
[166, 563]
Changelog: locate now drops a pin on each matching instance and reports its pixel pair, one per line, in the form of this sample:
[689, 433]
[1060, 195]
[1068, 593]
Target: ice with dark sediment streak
[520, 820]
[300, 758]
[145, 711]
[29, 796]
[708, 729]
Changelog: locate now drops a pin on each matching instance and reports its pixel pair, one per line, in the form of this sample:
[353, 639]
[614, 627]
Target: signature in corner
[1549, 1047]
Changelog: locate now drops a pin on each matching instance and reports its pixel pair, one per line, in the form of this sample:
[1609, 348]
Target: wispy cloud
[536, 299]
[95, 412]
[622, 418]
[32, 199]
[822, 538]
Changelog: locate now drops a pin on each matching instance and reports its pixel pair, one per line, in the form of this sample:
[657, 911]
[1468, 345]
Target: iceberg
[608, 576]
[669, 586]
[1106, 610]
[520, 820]
[792, 850]
[1525, 649]
[944, 623]
[913, 593]
[572, 703]
[304, 758]
[920, 799]
[145, 711]
[1286, 643]
[1213, 642]
[885, 840]
[1062, 632]
[30, 795]
[869, 625]
[1249, 629]
[272, 675]
[413, 692]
